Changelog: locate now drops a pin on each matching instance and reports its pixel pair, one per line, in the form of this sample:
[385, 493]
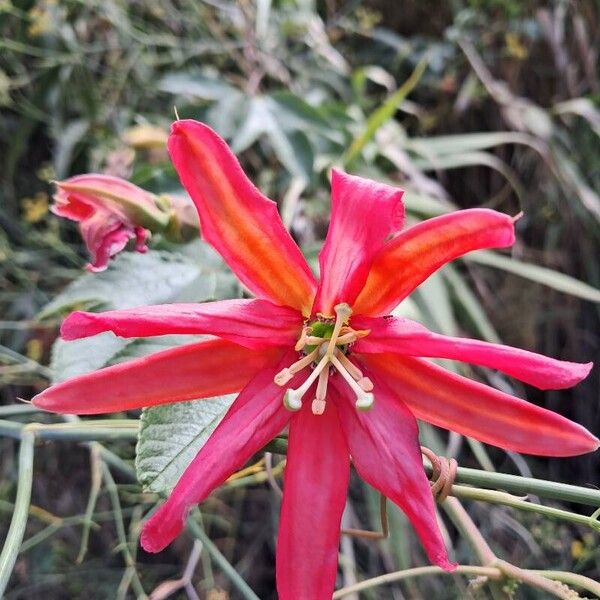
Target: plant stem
[19, 518]
[527, 485]
[242, 587]
[500, 481]
[491, 572]
[495, 497]
[101, 429]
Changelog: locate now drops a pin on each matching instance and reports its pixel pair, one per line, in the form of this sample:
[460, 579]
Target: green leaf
[291, 148]
[468, 159]
[469, 142]
[549, 277]
[197, 85]
[171, 435]
[70, 359]
[132, 279]
[385, 112]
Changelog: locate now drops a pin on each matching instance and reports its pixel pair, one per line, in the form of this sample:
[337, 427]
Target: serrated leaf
[138, 347]
[70, 359]
[171, 435]
[131, 279]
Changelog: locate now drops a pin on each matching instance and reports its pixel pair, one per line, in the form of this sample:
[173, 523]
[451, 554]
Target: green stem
[490, 572]
[500, 481]
[113, 492]
[493, 573]
[527, 485]
[101, 429]
[19, 518]
[243, 588]
[575, 579]
[24, 408]
[495, 497]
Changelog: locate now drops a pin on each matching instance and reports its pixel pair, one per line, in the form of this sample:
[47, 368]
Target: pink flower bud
[110, 212]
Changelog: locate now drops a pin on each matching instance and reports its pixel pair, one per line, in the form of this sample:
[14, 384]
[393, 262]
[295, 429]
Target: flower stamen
[318, 404]
[325, 342]
[286, 374]
[364, 399]
[343, 312]
[292, 398]
[302, 339]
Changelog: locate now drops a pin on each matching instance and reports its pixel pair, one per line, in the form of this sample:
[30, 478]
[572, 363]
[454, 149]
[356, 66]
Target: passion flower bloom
[322, 357]
[110, 212]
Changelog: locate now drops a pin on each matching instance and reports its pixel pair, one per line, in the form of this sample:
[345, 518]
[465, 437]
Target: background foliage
[462, 102]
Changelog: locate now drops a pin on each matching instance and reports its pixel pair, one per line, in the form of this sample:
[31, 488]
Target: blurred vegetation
[461, 102]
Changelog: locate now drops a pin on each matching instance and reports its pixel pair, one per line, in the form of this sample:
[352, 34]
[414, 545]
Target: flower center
[324, 345]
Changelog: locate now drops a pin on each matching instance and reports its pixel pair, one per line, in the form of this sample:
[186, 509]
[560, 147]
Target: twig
[242, 587]
[19, 518]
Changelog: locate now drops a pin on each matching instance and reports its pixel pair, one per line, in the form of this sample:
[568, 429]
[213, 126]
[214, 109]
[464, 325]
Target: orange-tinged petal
[456, 403]
[238, 220]
[413, 255]
[364, 214]
[408, 338]
[201, 370]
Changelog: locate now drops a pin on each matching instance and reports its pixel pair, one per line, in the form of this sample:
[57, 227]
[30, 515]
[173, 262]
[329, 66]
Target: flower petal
[364, 214]
[201, 370]
[448, 400]
[238, 220]
[78, 197]
[411, 257]
[384, 444]
[406, 337]
[314, 495]
[250, 323]
[256, 417]
[104, 236]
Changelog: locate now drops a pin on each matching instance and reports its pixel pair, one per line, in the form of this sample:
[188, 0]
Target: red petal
[406, 337]
[314, 495]
[104, 236]
[250, 323]
[75, 197]
[384, 444]
[364, 214]
[202, 370]
[478, 411]
[256, 417]
[240, 222]
[411, 257]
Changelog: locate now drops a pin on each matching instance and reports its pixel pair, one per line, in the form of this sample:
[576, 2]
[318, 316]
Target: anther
[354, 371]
[302, 339]
[366, 384]
[347, 338]
[343, 312]
[292, 399]
[364, 400]
[318, 404]
[285, 375]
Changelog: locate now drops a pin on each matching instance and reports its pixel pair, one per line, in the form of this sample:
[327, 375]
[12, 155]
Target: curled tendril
[443, 473]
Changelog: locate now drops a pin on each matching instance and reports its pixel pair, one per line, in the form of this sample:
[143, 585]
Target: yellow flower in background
[36, 208]
[146, 137]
